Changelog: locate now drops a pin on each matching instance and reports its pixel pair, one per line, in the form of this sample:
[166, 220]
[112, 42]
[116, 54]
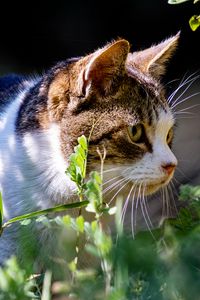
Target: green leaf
[67, 220]
[96, 177]
[94, 226]
[25, 222]
[176, 1]
[94, 191]
[188, 192]
[83, 142]
[194, 22]
[195, 1]
[1, 211]
[77, 167]
[72, 265]
[80, 224]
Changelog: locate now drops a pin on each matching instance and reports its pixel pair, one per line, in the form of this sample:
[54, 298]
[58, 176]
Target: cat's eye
[170, 136]
[137, 133]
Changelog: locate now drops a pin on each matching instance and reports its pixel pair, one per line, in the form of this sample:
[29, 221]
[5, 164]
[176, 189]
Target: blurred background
[37, 34]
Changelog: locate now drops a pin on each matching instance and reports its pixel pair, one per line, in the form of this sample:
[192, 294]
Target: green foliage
[77, 167]
[14, 282]
[94, 193]
[194, 21]
[160, 265]
[191, 193]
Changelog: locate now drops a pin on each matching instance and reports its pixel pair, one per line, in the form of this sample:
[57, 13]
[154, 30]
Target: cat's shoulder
[10, 87]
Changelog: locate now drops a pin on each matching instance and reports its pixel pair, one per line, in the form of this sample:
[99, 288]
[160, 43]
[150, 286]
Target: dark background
[34, 35]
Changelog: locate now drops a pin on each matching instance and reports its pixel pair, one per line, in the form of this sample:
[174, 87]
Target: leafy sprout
[194, 21]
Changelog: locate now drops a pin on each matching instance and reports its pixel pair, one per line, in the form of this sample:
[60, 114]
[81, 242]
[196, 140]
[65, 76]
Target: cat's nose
[169, 168]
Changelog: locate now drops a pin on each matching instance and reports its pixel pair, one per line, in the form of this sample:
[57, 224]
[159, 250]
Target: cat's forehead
[143, 97]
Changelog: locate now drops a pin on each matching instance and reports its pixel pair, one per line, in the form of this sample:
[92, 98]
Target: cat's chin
[154, 187]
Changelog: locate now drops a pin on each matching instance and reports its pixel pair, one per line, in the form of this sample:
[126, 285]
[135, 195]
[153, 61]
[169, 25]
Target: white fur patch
[32, 168]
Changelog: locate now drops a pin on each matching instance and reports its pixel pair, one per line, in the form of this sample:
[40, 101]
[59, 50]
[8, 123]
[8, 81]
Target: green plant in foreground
[76, 171]
[159, 268]
[89, 192]
[14, 283]
[194, 21]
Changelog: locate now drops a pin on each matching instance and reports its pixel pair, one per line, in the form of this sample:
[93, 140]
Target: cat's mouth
[152, 188]
[133, 189]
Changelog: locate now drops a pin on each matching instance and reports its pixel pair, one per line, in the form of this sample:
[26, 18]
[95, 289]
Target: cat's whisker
[185, 113]
[113, 185]
[163, 202]
[166, 202]
[142, 205]
[115, 195]
[188, 81]
[174, 187]
[171, 199]
[184, 110]
[177, 181]
[185, 118]
[175, 104]
[132, 214]
[169, 202]
[172, 190]
[113, 169]
[136, 204]
[147, 213]
[171, 81]
[126, 204]
[189, 77]
[110, 180]
[178, 169]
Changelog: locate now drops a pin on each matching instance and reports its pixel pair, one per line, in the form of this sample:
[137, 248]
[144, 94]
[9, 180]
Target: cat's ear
[104, 66]
[153, 60]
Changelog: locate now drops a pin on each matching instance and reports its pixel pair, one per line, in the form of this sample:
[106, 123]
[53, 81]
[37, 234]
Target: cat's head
[117, 95]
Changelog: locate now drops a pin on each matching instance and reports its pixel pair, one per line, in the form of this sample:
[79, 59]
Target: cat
[42, 117]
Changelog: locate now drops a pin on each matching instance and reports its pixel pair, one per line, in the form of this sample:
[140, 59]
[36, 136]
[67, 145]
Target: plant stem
[59, 208]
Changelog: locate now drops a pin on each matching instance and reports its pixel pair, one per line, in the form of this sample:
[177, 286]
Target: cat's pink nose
[169, 168]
